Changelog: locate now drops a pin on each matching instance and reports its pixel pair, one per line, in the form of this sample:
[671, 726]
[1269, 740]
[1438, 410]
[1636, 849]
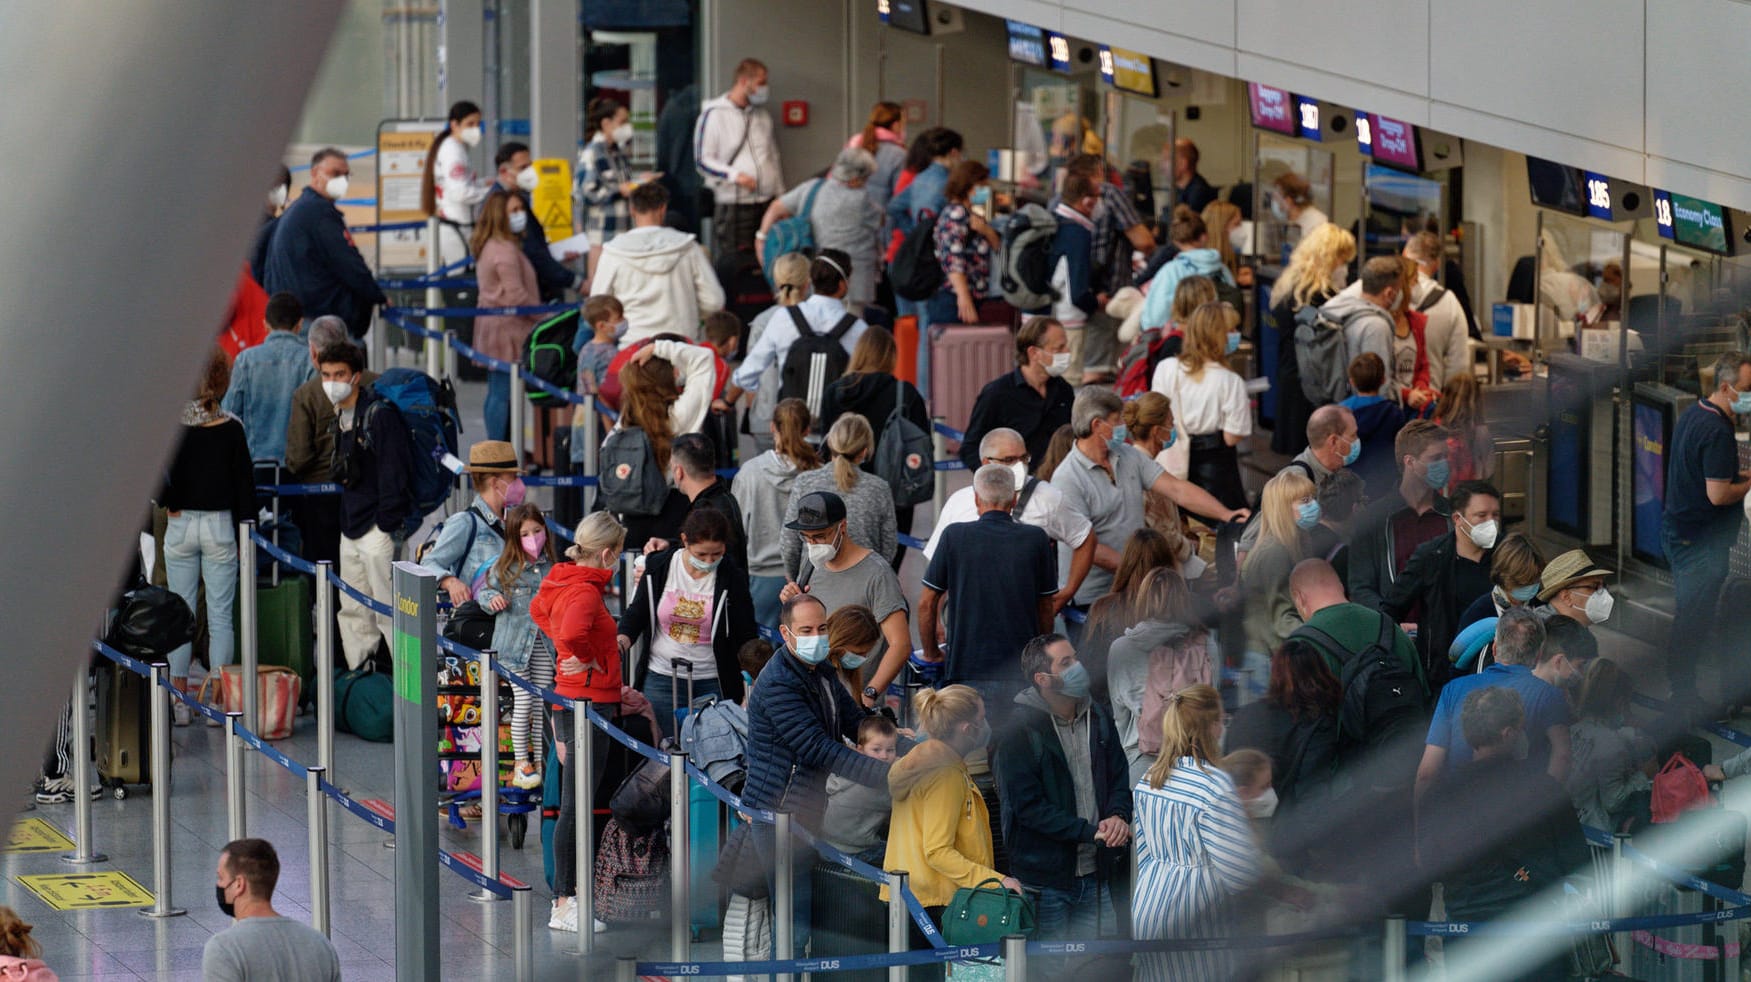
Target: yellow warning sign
[87, 891]
[36, 835]
[552, 197]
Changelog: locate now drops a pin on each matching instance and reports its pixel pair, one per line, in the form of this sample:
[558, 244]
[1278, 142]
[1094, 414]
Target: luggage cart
[460, 730]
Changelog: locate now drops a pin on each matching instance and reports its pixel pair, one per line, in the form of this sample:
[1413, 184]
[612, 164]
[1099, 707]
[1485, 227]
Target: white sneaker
[565, 916]
[601, 926]
[179, 714]
[527, 780]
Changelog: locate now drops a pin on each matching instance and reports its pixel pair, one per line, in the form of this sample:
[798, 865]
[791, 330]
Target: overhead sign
[1057, 52]
[402, 146]
[1663, 213]
[1272, 109]
[1127, 70]
[1699, 224]
[1027, 43]
[1307, 118]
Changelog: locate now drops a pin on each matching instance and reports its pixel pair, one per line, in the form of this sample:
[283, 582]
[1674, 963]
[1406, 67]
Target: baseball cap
[817, 510]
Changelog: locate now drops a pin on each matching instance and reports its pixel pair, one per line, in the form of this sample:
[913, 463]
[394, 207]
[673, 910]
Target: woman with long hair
[1063, 438]
[869, 504]
[1109, 617]
[1295, 724]
[1470, 447]
[1607, 780]
[762, 490]
[507, 279]
[1315, 274]
[1224, 220]
[1149, 431]
[884, 137]
[1288, 513]
[20, 954]
[790, 286]
[449, 188]
[509, 586]
[1195, 850]
[870, 389]
[1410, 346]
[1210, 401]
[964, 245]
[1167, 649]
[853, 633]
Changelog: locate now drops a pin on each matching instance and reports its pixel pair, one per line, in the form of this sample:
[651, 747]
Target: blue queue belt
[384, 227]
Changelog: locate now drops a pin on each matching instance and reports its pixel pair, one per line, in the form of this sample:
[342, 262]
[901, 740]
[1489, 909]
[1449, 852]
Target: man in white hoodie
[737, 154]
[660, 276]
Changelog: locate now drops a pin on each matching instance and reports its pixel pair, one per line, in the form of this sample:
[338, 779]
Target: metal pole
[1621, 904]
[1015, 958]
[523, 929]
[434, 298]
[898, 930]
[234, 814]
[379, 345]
[783, 901]
[316, 805]
[450, 369]
[583, 794]
[82, 854]
[325, 668]
[489, 777]
[940, 443]
[626, 969]
[587, 423]
[248, 656]
[160, 765]
[680, 910]
[1729, 952]
[1392, 949]
[519, 410]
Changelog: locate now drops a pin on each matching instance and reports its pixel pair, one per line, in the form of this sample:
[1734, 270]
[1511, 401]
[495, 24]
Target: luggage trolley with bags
[460, 732]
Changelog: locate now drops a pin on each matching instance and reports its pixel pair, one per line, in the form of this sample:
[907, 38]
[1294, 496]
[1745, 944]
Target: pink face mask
[533, 543]
[515, 493]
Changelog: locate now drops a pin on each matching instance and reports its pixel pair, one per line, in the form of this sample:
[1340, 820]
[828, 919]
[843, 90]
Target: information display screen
[1027, 43]
[1556, 186]
[1273, 109]
[1395, 143]
[1128, 71]
[907, 15]
[1566, 507]
[1652, 422]
[1699, 224]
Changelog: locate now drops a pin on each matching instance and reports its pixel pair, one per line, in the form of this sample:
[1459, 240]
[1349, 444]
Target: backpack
[1435, 296]
[1137, 367]
[630, 480]
[1172, 667]
[814, 361]
[429, 410]
[365, 704]
[549, 355]
[905, 455]
[150, 622]
[1026, 258]
[1379, 693]
[793, 234]
[1322, 355]
[632, 874]
[916, 274]
[715, 737]
[1678, 788]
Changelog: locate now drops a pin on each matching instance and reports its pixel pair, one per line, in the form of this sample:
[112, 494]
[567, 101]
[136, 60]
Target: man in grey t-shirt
[261, 946]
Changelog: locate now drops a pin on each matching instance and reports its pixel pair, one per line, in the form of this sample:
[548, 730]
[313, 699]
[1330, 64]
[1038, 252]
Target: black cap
[816, 511]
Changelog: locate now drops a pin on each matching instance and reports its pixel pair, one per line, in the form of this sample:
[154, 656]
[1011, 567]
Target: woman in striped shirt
[1195, 851]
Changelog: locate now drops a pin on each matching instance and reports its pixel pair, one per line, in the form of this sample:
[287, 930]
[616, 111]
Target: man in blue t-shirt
[1525, 664]
[1704, 489]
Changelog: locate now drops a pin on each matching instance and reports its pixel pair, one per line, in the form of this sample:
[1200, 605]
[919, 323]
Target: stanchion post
[82, 778]
[434, 298]
[450, 369]
[523, 927]
[583, 793]
[589, 427]
[236, 821]
[248, 653]
[325, 668]
[1621, 887]
[898, 932]
[626, 969]
[1015, 958]
[1725, 936]
[489, 776]
[680, 911]
[316, 805]
[783, 894]
[1392, 949]
[379, 344]
[519, 410]
[160, 764]
[940, 443]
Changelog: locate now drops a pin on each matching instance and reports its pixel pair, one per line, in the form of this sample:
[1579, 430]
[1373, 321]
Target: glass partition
[1275, 233]
[1054, 120]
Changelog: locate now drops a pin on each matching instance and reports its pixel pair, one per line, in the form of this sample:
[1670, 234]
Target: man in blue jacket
[311, 256]
[1063, 780]
[799, 717]
[517, 176]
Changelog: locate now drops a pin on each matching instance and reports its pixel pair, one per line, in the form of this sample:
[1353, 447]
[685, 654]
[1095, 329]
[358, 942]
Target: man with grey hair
[1104, 480]
[1037, 503]
[998, 576]
[1447, 338]
[310, 448]
[841, 216]
[1525, 665]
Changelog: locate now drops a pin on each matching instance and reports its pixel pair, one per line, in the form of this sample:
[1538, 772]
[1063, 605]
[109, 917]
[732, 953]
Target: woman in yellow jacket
[940, 831]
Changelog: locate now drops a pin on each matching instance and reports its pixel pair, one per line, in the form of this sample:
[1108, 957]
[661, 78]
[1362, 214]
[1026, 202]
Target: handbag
[642, 800]
[470, 625]
[793, 234]
[981, 914]
[278, 689]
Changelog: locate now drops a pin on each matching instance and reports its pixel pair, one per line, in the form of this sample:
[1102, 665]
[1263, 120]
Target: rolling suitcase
[123, 723]
[285, 631]
[963, 358]
[568, 503]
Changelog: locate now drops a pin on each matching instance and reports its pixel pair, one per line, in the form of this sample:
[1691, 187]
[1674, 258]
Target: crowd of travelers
[1314, 697]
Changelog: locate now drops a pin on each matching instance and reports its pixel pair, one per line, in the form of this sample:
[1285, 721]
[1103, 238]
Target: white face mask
[1193, 567]
[1598, 606]
[470, 135]
[759, 96]
[1059, 364]
[519, 220]
[1264, 806]
[623, 134]
[527, 178]
[1238, 240]
[820, 553]
[336, 188]
[277, 197]
[337, 392]
[1483, 534]
[1019, 469]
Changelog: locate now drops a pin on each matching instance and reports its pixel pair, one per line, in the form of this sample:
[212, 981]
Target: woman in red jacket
[569, 610]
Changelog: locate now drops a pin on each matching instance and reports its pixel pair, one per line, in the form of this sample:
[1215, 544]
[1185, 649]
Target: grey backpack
[1026, 254]
[905, 457]
[631, 483]
[1322, 355]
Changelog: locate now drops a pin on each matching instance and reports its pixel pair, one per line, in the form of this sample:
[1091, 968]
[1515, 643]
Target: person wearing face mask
[1367, 311]
[261, 943]
[1574, 586]
[999, 577]
[507, 279]
[799, 719]
[1315, 274]
[841, 217]
[605, 180]
[1333, 444]
[1705, 491]
[311, 256]
[310, 433]
[449, 188]
[1148, 429]
[965, 242]
[1296, 726]
[1516, 567]
[244, 327]
[1195, 257]
[517, 176]
[693, 608]
[467, 544]
[1076, 292]
[505, 591]
[1291, 201]
[1065, 787]
[1034, 399]
[1446, 575]
[1391, 528]
[736, 152]
[1212, 407]
[1288, 513]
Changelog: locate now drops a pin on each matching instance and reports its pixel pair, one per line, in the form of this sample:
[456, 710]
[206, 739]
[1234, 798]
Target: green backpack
[365, 704]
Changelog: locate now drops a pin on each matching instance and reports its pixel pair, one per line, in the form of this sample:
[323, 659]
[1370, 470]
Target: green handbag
[981, 915]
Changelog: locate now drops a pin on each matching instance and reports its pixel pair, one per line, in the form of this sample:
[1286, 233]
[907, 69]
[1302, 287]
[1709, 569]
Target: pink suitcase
[963, 358]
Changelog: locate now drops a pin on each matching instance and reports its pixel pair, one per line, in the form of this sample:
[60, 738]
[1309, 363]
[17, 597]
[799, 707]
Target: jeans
[201, 546]
[1076, 914]
[1699, 569]
[766, 606]
[365, 566]
[668, 693]
[802, 858]
[498, 406]
[565, 831]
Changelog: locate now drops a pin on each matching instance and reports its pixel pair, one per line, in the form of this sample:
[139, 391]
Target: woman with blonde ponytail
[790, 286]
[869, 503]
[1195, 850]
[762, 490]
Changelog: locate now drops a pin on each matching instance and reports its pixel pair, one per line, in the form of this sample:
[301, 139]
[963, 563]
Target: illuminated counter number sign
[1365, 134]
[1307, 114]
[1598, 189]
[1058, 51]
[1663, 214]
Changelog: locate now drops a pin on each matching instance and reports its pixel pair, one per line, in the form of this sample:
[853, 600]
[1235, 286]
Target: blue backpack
[428, 408]
[793, 234]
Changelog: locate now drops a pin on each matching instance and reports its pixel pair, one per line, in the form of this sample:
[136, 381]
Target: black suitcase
[568, 503]
[463, 329]
[124, 720]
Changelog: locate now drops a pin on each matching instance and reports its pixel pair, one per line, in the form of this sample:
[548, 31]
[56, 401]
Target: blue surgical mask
[1073, 682]
[1438, 474]
[1307, 514]
[981, 195]
[1742, 404]
[700, 565]
[1524, 594]
[1172, 435]
[1233, 342]
[812, 649]
[747, 680]
[851, 661]
[1354, 452]
[1121, 432]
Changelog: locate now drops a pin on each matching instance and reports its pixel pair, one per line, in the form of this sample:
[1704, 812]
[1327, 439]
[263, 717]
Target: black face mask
[225, 907]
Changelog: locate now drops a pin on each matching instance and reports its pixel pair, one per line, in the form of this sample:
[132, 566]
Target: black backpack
[1379, 694]
[814, 361]
[631, 482]
[550, 355]
[905, 457]
[916, 273]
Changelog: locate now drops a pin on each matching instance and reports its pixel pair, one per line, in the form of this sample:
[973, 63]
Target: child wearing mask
[510, 584]
[856, 821]
[607, 321]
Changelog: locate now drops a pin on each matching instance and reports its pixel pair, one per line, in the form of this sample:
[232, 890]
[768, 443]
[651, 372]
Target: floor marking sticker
[87, 891]
[36, 835]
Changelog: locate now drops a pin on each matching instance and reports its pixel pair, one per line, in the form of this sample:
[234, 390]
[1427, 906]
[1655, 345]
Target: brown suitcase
[123, 724]
[963, 358]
